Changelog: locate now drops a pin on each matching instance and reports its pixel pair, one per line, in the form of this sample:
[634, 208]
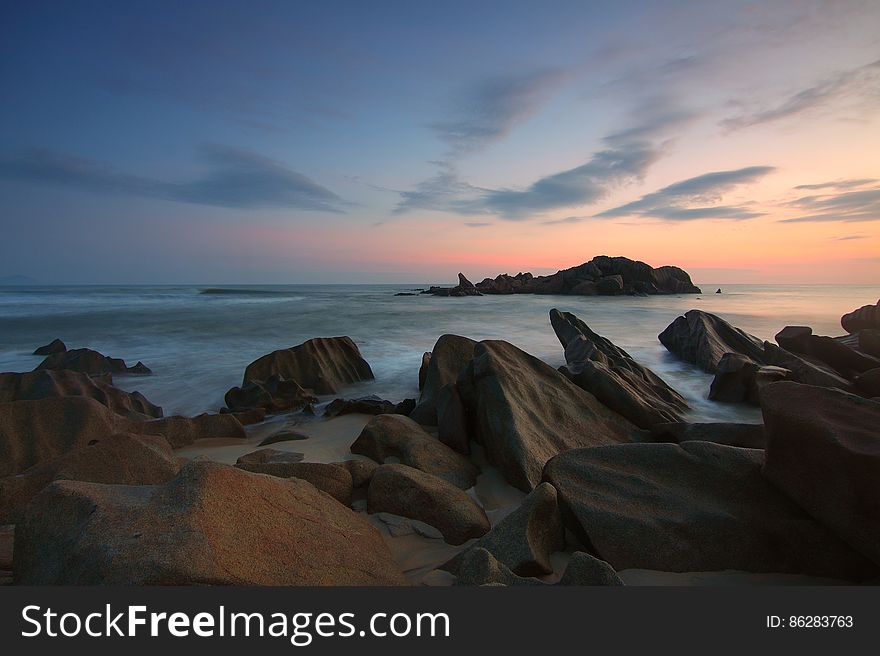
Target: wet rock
[450, 355]
[55, 346]
[703, 338]
[90, 362]
[408, 492]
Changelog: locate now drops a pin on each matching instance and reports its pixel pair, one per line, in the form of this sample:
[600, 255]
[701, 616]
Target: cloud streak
[234, 178]
[846, 207]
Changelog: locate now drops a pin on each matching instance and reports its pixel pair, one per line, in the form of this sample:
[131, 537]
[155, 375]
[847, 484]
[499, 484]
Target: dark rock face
[332, 479]
[273, 395]
[90, 362]
[181, 431]
[450, 355]
[122, 459]
[523, 412]
[869, 341]
[844, 360]
[749, 436]
[868, 383]
[740, 379]
[411, 493]
[246, 417]
[284, 436]
[47, 383]
[609, 373]
[452, 422]
[367, 405]
[396, 436]
[866, 317]
[584, 569]
[55, 346]
[464, 288]
[804, 369]
[703, 338]
[524, 540]
[212, 525]
[323, 365]
[823, 451]
[423, 369]
[692, 507]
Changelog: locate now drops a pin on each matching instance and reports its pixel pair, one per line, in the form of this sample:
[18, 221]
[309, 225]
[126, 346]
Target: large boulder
[693, 507]
[846, 361]
[47, 383]
[749, 436]
[88, 361]
[122, 459]
[212, 524]
[450, 355]
[524, 540]
[273, 395]
[55, 346]
[740, 379]
[524, 412]
[332, 479]
[804, 369]
[703, 338]
[411, 493]
[182, 431]
[869, 341]
[823, 451]
[609, 373]
[868, 383]
[866, 317]
[396, 436]
[323, 365]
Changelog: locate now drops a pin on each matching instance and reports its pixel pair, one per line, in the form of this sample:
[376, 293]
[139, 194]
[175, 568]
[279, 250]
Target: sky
[336, 142]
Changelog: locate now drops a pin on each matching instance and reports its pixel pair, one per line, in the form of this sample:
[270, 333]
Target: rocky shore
[505, 470]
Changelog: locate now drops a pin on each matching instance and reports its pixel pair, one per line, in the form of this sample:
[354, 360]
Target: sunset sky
[263, 142]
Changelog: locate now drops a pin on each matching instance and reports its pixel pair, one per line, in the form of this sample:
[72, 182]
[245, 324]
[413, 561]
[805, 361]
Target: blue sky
[403, 141]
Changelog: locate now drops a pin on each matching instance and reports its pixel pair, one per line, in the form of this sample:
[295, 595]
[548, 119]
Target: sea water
[198, 344]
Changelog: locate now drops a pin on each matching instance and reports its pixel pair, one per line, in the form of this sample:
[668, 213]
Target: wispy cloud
[565, 220]
[850, 206]
[490, 109]
[839, 184]
[477, 224]
[849, 237]
[234, 178]
[860, 83]
[695, 198]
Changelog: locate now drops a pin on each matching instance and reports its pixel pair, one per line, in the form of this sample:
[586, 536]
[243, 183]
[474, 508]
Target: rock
[524, 540]
[803, 368]
[718, 291]
[367, 405]
[464, 288]
[405, 407]
[361, 471]
[750, 436]
[524, 412]
[396, 436]
[423, 369]
[693, 507]
[408, 492]
[844, 360]
[332, 479]
[869, 342]
[450, 355]
[90, 362]
[55, 346]
[264, 456]
[823, 451]
[182, 431]
[283, 436]
[47, 383]
[868, 383]
[794, 338]
[212, 525]
[464, 283]
[247, 417]
[866, 317]
[452, 426]
[274, 395]
[609, 285]
[323, 364]
[734, 378]
[479, 567]
[584, 569]
[609, 373]
[703, 338]
[122, 459]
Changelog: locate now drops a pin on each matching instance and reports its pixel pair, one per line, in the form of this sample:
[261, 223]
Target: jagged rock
[866, 317]
[703, 338]
[609, 373]
[396, 436]
[823, 451]
[423, 369]
[524, 540]
[750, 436]
[323, 365]
[181, 431]
[55, 346]
[692, 507]
[332, 479]
[367, 405]
[584, 569]
[274, 395]
[803, 368]
[122, 459]
[464, 288]
[88, 361]
[479, 567]
[47, 383]
[213, 524]
[450, 355]
[524, 412]
[868, 383]
[408, 492]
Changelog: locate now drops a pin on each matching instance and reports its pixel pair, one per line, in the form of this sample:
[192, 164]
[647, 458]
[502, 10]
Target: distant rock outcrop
[90, 362]
[464, 288]
[55, 346]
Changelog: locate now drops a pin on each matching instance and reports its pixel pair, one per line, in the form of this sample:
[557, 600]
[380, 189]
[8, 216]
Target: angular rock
[46, 383]
[794, 338]
[479, 567]
[868, 383]
[408, 492]
[524, 540]
[869, 342]
[864, 318]
[122, 459]
[273, 395]
[584, 569]
[749, 436]
[609, 373]
[182, 431]
[734, 378]
[450, 355]
[212, 525]
[396, 436]
[823, 451]
[844, 360]
[247, 417]
[423, 369]
[703, 338]
[55, 346]
[524, 412]
[90, 362]
[323, 365]
[693, 507]
[804, 369]
[332, 479]
[452, 425]
[366, 405]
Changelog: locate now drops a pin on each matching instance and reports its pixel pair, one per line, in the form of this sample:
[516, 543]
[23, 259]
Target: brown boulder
[749, 436]
[181, 431]
[273, 395]
[332, 479]
[703, 338]
[450, 355]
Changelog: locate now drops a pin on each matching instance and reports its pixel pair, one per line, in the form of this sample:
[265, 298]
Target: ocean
[198, 344]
